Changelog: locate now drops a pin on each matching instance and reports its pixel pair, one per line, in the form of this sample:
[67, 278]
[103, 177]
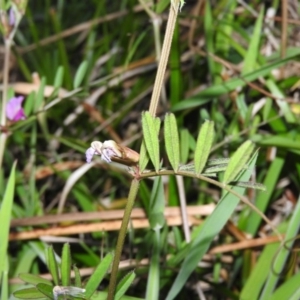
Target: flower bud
[111, 151]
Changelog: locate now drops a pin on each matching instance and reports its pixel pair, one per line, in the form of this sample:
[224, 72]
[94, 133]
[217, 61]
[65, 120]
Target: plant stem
[163, 59]
[114, 272]
[152, 109]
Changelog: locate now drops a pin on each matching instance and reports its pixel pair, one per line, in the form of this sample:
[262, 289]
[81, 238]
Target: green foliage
[172, 140]
[5, 217]
[151, 128]
[203, 146]
[94, 68]
[63, 285]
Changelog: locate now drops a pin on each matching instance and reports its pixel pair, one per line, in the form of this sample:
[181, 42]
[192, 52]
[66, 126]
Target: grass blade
[154, 271]
[253, 51]
[98, 275]
[5, 217]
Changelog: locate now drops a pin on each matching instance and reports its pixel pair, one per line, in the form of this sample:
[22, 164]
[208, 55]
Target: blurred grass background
[87, 70]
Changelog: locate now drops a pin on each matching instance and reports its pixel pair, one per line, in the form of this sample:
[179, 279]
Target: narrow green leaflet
[30, 293]
[66, 265]
[124, 284]
[46, 289]
[151, 127]
[172, 140]
[78, 282]
[98, 275]
[144, 157]
[218, 161]
[203, 146]
[52, 265]
[33, 279]
[59, 77]
[238, 161]
[248, 184]
[80, 73]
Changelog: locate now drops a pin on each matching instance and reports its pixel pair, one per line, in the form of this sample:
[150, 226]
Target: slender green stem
[152, 109]
[122, 233]
[219, 184]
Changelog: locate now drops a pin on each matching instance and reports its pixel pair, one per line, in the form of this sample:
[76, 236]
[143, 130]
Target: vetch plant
[234, 169]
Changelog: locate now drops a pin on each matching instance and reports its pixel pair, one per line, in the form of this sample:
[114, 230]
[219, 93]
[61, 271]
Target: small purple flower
[89, 153]
[14, 110]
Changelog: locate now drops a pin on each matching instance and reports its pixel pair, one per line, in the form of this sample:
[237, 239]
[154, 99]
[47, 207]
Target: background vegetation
[87, 70]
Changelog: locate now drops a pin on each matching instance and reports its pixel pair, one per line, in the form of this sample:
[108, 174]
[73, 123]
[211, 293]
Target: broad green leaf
[207, 232]
[52, 265]
[98, 275]
[151, 127]
[124, 284]
[77, 277]
[172, 140]
[34, 279]
[238, 161]
[5, 217]
[253, 49]
[29, 293]
[203, 146]
[66, 265]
